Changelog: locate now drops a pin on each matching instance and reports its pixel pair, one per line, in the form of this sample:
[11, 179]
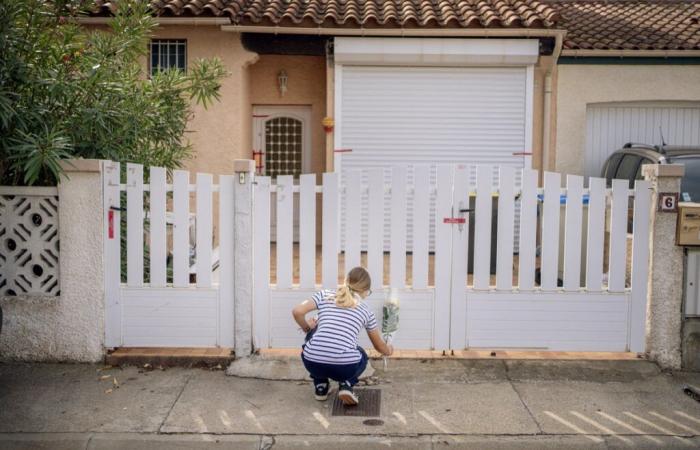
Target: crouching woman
[331, 350]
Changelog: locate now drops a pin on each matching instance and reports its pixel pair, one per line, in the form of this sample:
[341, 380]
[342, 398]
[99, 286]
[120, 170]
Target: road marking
[400, 416]
[687, 416]
[658, 427]
[322, 420]
[204, 431]
[225, 419]
[249, 414]
[574, 427]
[434, 422]
[630, 427]
[601, 427]
[673, 422]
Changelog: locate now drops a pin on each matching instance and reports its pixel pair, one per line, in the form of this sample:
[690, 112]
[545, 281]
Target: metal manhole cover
[369, 406]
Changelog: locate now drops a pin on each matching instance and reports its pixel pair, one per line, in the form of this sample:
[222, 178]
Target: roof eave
[629, 53]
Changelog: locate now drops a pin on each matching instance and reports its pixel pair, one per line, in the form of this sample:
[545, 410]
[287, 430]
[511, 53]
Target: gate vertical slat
[460, 250]
[421, 226]
[528, 224]
[352, 215]
[505, 233]
[375, 224]
[572, 233]
[596, 234]
[261, 259]
[203, 230]
[157, 228]
[329, 272]
[550, 231]
[285, 215]
[112, 249]
[226, 261]
[307, 230]
[134, 225]
[617, 262]
[482, 230]
[181, 228]
[443, 257]
[397, 257]
[640, 265]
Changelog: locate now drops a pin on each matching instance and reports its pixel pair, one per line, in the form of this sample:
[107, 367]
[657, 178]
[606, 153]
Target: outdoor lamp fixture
[282, 79]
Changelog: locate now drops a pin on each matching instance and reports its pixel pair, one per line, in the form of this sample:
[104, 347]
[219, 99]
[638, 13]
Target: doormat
[369, 406]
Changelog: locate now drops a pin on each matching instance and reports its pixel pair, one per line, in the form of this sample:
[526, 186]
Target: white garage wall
[610, 125]
[581, 85]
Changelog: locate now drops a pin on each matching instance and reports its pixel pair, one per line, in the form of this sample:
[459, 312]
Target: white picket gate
[172, 301]
[590, 311]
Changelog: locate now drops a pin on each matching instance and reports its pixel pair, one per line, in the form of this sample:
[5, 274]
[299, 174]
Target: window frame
[610, 168]
[160, 41]
[630, 177]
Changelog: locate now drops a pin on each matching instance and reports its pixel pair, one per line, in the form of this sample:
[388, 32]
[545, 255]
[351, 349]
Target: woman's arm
[379, 344]
[299, 312]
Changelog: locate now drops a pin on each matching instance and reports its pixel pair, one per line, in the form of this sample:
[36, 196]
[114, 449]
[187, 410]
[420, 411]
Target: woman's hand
[312, 323]
[389, 350]
[299, 313]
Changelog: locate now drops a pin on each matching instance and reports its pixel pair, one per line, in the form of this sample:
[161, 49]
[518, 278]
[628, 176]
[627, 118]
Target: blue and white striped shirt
[335, 339]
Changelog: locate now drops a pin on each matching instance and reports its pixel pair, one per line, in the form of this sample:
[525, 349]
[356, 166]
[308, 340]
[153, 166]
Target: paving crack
[170, 410]
[520, 397]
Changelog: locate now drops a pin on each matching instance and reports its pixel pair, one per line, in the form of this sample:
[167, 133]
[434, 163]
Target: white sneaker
[347, 396]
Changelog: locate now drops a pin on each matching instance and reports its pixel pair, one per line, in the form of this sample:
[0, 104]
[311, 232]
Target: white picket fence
[175, 301]
[171, 295]
[590, 310]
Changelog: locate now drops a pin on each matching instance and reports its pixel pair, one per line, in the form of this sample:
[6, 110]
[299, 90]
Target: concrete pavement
[425, 404]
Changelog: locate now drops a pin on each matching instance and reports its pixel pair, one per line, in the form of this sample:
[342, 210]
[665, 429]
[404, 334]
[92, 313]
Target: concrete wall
[579, 85]
[69, 327]
[306, 86]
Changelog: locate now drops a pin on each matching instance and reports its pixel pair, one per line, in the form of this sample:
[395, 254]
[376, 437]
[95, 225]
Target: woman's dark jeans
[349, 373]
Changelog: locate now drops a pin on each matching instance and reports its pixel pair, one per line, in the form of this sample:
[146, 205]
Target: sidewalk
[425, 404]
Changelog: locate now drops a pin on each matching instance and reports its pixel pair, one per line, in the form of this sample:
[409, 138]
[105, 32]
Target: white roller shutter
[431, 115]
[609, 126]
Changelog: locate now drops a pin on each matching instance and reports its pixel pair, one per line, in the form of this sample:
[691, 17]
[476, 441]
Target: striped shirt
[335, 339]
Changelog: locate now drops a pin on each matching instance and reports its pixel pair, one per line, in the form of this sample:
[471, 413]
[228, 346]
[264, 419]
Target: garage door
[432, 115]
[611, 125]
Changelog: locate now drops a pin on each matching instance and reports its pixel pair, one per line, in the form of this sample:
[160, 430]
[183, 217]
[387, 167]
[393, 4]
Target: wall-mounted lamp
[282, 79]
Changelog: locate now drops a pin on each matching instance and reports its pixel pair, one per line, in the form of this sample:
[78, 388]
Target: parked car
[626, 163]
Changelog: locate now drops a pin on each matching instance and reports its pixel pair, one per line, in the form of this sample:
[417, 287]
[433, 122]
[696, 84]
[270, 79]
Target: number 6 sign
[668, 202]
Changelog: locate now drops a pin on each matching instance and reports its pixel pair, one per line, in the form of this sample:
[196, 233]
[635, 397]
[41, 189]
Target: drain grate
[369, 406]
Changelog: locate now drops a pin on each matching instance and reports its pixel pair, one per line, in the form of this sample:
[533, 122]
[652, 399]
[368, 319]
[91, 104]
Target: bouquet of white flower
[390, 318]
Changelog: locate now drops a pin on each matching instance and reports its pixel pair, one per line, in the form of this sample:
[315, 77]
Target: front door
[283, 135]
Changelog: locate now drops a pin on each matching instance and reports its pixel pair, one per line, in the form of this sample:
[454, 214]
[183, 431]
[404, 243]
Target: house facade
[323, 86]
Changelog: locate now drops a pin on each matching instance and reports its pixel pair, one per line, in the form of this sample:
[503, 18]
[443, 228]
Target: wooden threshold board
[169, 356]
[477, 354]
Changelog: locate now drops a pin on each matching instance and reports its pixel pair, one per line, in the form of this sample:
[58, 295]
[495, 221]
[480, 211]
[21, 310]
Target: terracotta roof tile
[630, 25]
[590, 24]
[361, 13]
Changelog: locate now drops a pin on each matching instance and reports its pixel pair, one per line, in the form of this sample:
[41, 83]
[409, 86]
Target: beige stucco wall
[306, 86]
[579, 85]
[222, 132]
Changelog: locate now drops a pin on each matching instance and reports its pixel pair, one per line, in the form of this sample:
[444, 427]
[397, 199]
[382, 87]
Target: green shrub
[68, 91]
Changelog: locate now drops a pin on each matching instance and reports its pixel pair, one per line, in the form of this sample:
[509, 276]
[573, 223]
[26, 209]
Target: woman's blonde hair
[357, 282]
